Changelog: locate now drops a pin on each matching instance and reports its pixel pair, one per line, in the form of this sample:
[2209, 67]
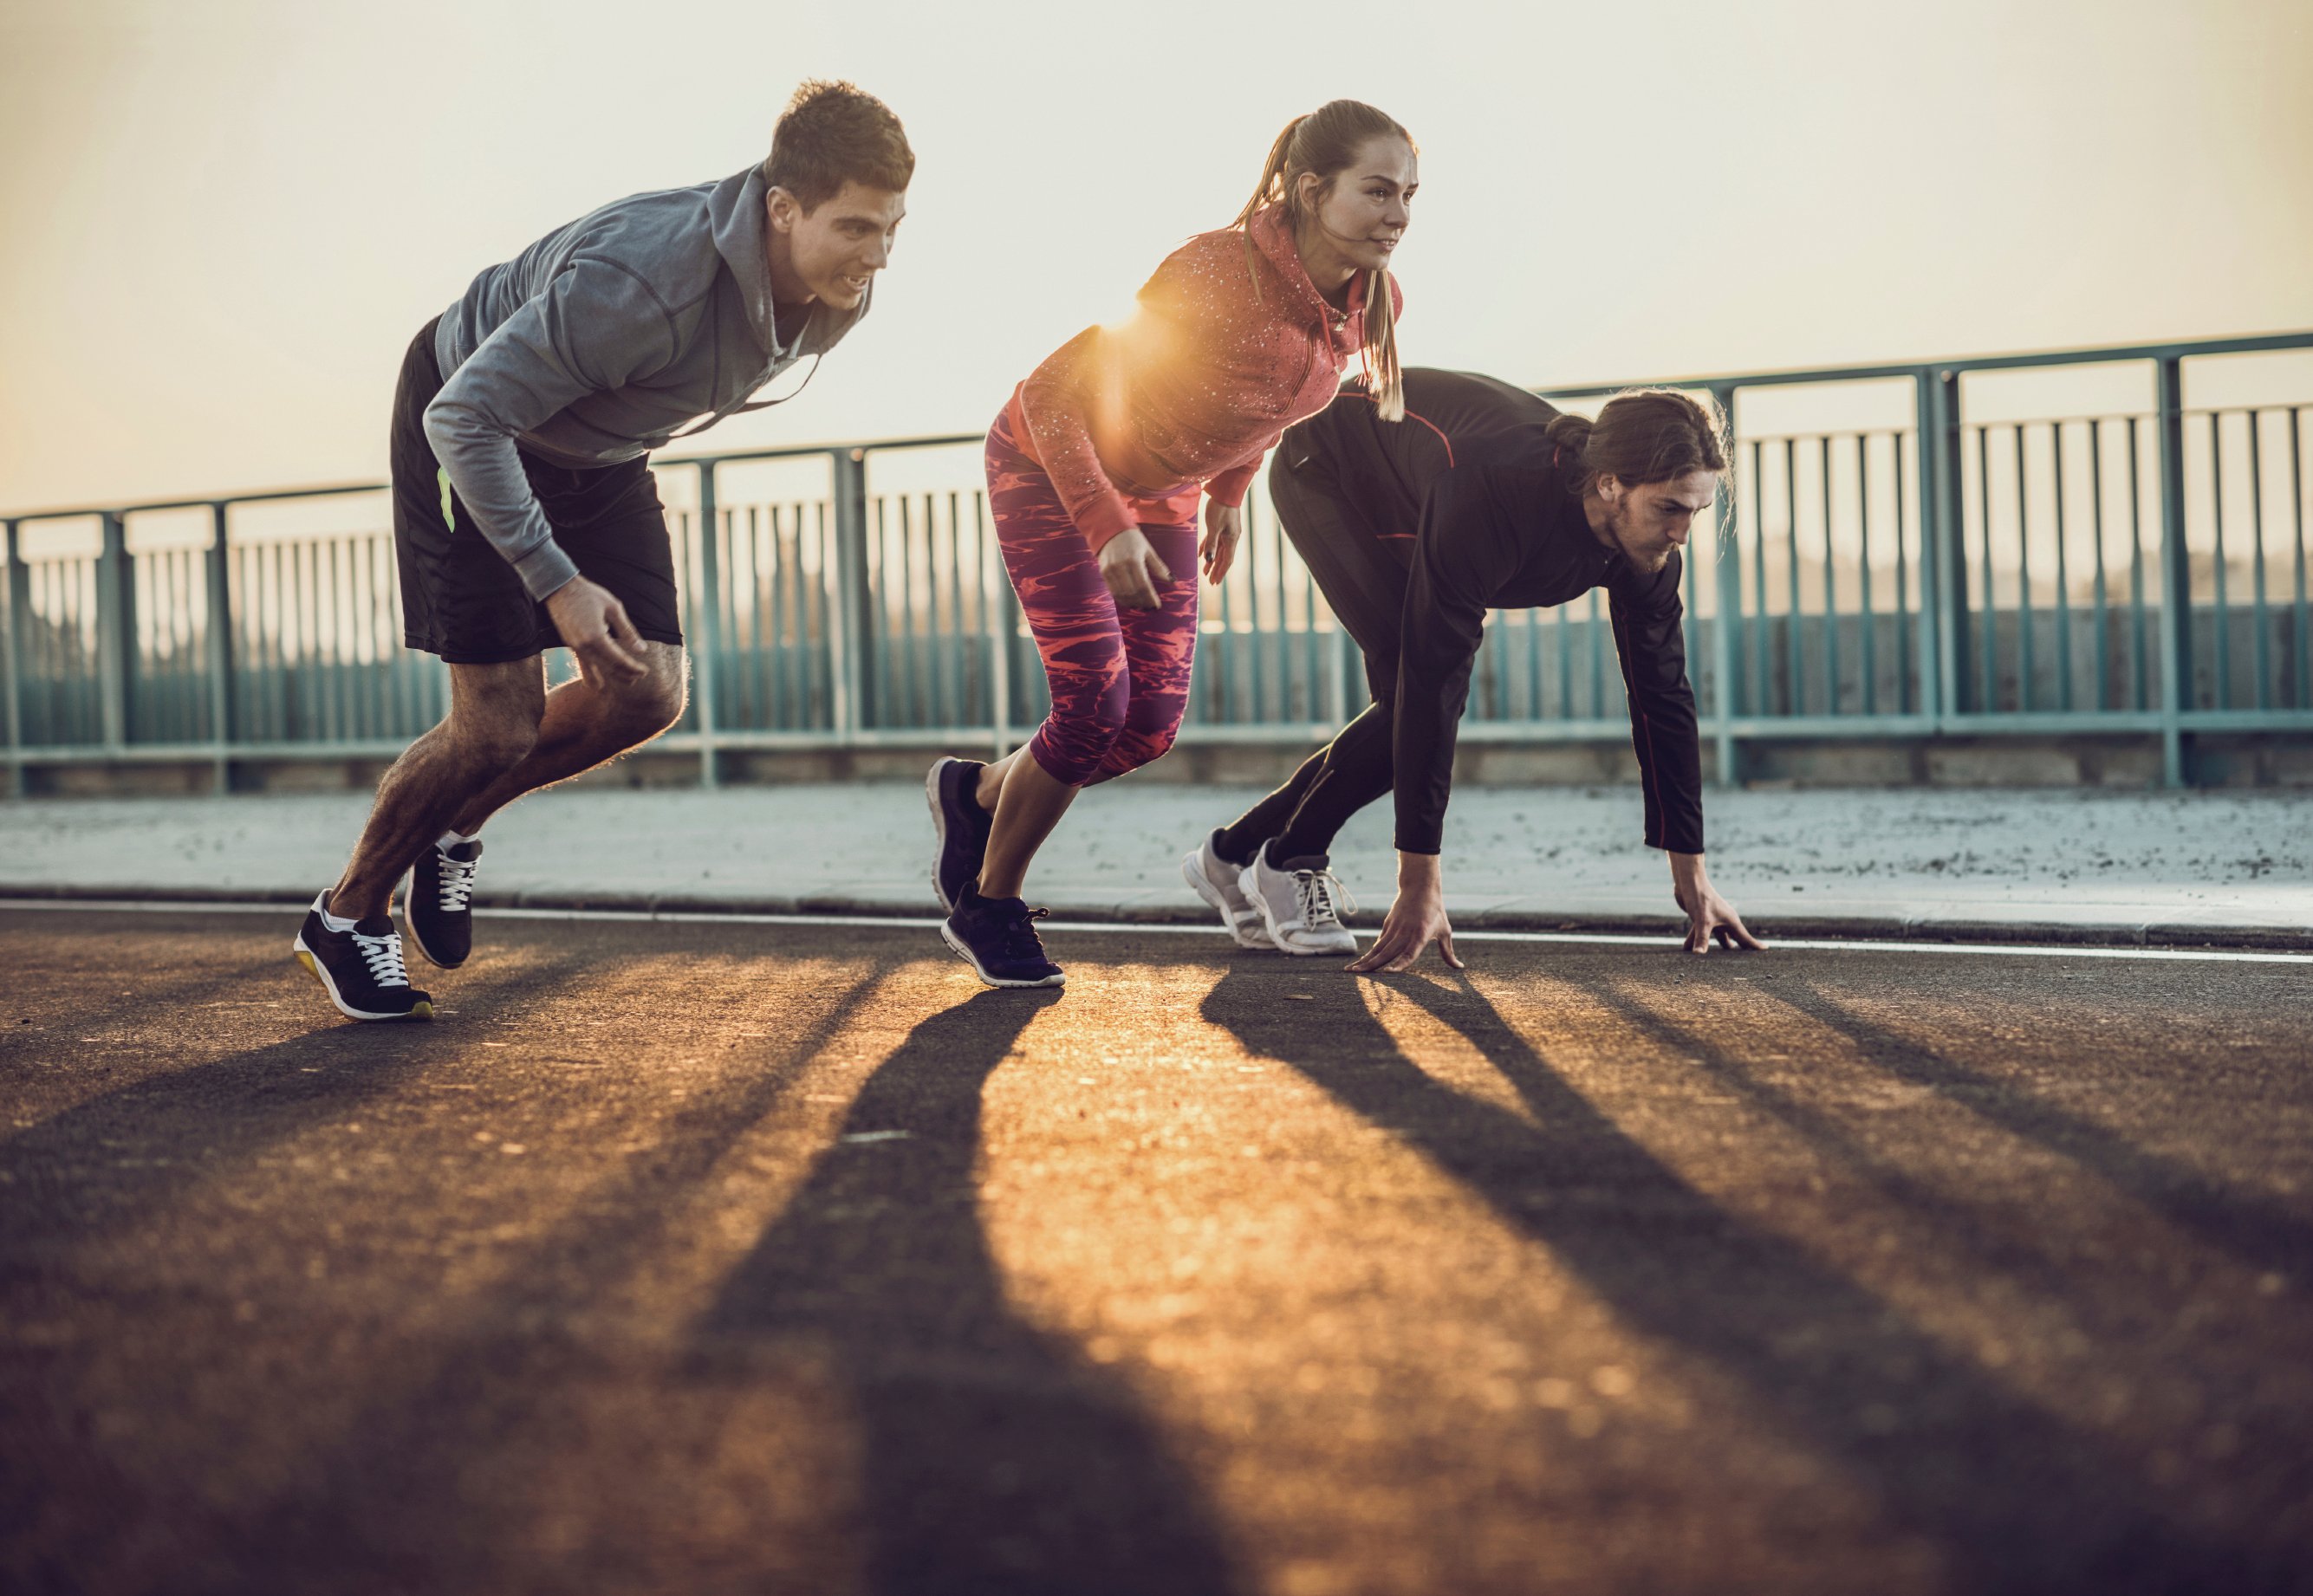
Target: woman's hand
[1417, 917]
[1224, 525]
[1708, 914]
[1131, 569]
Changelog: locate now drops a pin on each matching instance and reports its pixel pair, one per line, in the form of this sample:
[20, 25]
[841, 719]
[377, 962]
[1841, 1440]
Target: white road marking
[1666, 939]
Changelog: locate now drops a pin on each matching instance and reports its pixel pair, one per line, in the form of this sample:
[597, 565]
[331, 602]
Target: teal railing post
[220, 628]
[2176, 573]
[706, 624]
[116, 629]
[850, 629]
[1943, 560]
[1000, 619]
[1723, 649]
[11, 655]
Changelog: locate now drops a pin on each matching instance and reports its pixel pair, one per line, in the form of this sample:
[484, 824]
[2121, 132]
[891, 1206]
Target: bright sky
[226, 218]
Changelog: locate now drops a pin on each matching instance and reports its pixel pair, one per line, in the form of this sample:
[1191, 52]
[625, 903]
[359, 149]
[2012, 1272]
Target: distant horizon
[228, 263]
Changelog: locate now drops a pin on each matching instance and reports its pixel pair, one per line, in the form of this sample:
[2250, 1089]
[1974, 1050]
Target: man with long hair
[523, 509]
[1482, 497]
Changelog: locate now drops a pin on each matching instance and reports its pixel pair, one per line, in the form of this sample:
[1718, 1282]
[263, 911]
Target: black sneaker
[962, 825]
[996, 936]
[436, 903]
[361, 967]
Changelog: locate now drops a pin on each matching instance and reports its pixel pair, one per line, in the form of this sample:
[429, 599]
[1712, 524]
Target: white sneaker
[1215, 879]
[1296, 904]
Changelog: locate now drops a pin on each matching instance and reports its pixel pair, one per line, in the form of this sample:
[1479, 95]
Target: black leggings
[1363, 576]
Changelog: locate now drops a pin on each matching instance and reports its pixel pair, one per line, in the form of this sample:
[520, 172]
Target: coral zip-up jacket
[1198, 386]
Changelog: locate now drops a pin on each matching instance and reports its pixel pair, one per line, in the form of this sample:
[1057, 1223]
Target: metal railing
[2140, 572]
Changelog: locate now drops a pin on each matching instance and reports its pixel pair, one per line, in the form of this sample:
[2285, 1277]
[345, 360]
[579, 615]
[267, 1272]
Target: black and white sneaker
[360, 967]
[951, 788]
[996, 936]
[437, 903]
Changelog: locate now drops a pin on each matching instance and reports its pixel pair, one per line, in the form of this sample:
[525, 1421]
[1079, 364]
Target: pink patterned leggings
[1119, 677]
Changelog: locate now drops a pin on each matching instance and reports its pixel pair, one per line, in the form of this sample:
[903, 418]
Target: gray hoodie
[648, 318]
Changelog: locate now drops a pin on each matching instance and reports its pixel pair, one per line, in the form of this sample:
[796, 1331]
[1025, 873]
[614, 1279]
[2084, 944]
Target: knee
[496, 743]
[649, 706]
[1136, 747]
[1079, 748]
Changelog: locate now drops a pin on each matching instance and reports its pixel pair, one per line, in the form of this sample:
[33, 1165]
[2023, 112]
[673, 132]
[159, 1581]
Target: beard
[1646, 557]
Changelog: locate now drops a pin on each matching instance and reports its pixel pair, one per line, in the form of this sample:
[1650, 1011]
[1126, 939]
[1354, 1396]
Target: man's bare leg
[491, 728]
[585, 723]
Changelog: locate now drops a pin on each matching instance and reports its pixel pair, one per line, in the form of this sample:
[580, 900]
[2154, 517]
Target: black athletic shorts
[460, 599]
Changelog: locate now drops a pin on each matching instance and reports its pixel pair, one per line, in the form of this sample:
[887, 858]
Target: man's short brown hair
[835, 133]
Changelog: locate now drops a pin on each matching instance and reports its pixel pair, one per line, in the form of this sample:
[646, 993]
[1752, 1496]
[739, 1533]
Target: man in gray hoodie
[525, 515]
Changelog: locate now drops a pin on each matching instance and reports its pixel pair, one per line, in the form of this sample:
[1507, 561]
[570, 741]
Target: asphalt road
[703, 1259]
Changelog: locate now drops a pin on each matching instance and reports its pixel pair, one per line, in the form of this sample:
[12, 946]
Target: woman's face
[1368, 206]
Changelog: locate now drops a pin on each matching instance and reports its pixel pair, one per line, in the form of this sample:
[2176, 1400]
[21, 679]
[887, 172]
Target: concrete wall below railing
[2122, 760]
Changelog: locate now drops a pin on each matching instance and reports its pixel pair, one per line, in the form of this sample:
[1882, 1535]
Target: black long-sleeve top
[1496, 527]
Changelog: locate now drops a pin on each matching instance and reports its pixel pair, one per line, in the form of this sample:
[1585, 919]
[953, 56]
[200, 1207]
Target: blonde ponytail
[1270, 191]
[1385, 377]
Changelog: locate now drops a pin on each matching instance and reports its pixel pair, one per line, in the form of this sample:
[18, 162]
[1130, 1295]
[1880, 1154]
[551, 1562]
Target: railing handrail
[262, 644]
[2102, 354]
[2175, 349]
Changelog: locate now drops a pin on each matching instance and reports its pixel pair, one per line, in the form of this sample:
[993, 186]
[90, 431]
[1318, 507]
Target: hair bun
[1641, 435]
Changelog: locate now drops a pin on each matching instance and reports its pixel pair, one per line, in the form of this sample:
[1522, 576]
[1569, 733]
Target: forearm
[1433, 687]
[485, 468]
[596, 328]
[1670, 773]
[1426, 730]
[1057, 420]
[1665, 731]
[1230, 487]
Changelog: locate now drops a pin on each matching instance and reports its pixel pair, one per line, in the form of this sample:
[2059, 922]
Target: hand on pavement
[1708, 914]
[1416, 918]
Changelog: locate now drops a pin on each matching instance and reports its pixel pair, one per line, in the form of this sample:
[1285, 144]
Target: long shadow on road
[2013, 1498]
[995, 1458]
[2255, 1229]
[118, 1163]
[119, 1158]
[455, 1444]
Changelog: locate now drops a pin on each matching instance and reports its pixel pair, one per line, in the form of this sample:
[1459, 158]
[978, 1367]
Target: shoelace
[1314, 891]
[457, 882]
[382, 954]
[1020, 938]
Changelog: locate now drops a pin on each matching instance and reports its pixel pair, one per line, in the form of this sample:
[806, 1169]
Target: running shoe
[1215, 880]
[961, 825]
[996, 936]
[360, 968]
[437, 902]
[1295, 900]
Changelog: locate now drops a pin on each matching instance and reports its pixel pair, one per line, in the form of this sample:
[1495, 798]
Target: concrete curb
[2148, 933]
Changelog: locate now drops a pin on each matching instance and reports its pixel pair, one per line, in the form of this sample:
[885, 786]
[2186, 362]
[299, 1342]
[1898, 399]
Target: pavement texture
[2119, 867]
[744, 1257]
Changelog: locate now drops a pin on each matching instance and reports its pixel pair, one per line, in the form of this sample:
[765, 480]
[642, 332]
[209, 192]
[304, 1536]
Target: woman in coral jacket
[1094, 473]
